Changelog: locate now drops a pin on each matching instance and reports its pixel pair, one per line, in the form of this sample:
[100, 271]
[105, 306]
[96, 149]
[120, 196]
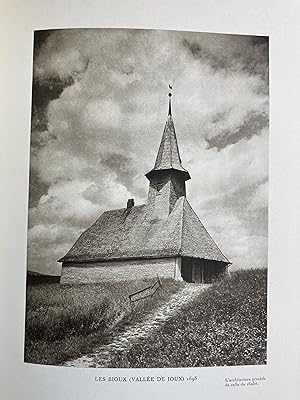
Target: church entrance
[192, 270]
[195, 270]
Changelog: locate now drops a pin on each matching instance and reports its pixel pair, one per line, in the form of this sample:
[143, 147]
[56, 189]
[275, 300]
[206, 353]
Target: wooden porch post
[202, 271]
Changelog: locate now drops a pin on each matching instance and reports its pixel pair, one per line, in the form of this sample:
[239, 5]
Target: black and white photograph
[147, 241]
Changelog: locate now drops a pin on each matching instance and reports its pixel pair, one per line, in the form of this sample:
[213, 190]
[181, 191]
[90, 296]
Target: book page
[160, 214]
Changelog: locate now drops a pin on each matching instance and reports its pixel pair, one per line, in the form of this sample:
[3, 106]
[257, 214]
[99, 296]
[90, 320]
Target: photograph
[147, 243]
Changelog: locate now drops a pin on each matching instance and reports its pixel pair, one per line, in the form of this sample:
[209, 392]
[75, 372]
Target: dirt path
[125, 340]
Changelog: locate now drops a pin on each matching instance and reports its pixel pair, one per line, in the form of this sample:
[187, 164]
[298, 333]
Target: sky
[99, 105]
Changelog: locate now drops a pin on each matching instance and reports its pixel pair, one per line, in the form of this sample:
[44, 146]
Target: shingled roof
[168, 156]
[135, 233]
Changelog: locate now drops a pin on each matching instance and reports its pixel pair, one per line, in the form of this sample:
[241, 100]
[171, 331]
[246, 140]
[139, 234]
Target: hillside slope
[225, 325]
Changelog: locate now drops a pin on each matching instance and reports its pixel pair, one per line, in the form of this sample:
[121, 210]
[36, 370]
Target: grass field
[64, 322]
[225, 325]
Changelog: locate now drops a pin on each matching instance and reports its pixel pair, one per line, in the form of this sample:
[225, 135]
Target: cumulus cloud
[260, 197]
[99, 107]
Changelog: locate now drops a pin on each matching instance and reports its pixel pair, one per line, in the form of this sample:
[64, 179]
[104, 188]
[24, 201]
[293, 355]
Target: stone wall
[73, 273]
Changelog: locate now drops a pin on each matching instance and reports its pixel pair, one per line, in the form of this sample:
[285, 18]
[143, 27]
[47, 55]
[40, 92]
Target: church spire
[167, 177]
[168, 157]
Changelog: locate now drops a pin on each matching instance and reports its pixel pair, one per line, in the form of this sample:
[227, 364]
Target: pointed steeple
[168, 157]
[167, 177]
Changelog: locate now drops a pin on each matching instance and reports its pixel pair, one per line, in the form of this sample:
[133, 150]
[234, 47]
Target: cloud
[100, 103]
[260, 197]
[253, 122]
[220, 173]
[99, 114]
[230, 194]
[63, 213]
[231, 52]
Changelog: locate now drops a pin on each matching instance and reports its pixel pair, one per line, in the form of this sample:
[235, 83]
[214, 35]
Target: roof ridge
[180, 203]
[176, 143]
[170, 120]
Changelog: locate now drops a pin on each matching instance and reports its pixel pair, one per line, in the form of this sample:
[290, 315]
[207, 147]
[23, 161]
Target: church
[163, 237]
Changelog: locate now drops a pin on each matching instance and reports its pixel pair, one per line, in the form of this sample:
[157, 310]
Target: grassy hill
[64, 322]
[225, 325]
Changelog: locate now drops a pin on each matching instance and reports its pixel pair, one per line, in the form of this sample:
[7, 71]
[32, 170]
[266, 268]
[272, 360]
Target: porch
[195, 270]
